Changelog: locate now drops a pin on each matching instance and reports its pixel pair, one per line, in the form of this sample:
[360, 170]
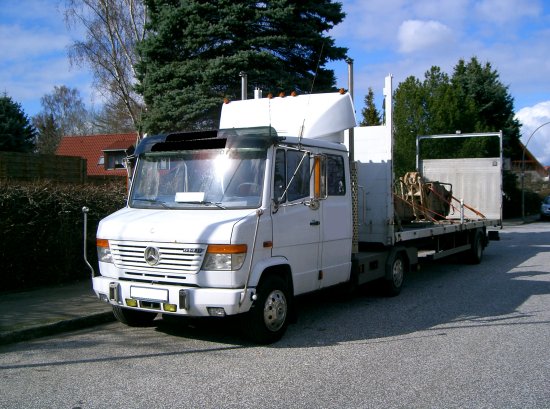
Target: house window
[101, 160]
[114, 160]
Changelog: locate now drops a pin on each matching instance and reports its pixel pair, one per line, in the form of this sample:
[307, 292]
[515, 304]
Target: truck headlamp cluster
[103, 251]
[225, 257]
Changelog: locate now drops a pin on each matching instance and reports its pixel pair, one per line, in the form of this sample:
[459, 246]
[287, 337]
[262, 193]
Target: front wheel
[133, 318]
[267, 320]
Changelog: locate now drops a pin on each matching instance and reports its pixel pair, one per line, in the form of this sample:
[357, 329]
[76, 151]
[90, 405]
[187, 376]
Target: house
[104, 154]
[529, 166]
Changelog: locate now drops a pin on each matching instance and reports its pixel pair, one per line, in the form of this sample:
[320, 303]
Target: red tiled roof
[91, 148]
[120, 145]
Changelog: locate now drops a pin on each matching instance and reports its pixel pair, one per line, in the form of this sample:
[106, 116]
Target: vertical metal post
[85, 211]
[353, 169]
[349, 61]
[523, 171]
[244, 84]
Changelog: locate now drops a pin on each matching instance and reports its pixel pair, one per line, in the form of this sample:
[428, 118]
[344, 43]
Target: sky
[401, 38]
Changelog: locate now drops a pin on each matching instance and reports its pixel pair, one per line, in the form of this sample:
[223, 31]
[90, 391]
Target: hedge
[42, 230]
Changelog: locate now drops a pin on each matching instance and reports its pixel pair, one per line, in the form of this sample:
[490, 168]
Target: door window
[292, 175]
[336, 181]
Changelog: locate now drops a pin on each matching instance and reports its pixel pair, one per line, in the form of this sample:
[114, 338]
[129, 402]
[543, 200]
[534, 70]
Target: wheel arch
[274, 266]
[410, 258]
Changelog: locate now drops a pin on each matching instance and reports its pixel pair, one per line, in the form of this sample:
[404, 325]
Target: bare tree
[112, 30]
[111, 117]
[65, 108]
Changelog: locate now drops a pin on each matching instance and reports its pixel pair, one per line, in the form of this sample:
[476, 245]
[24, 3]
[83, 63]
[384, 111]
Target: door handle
[314, 223]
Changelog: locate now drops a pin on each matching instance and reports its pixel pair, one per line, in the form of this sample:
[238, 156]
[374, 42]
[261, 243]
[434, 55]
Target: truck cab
[235, 221]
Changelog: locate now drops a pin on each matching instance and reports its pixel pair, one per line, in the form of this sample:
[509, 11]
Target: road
[458, 336]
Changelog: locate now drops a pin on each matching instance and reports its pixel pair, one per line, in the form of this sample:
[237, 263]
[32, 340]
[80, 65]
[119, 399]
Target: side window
[292, 169]
[298, 175]
[336, 182]
[279, 179]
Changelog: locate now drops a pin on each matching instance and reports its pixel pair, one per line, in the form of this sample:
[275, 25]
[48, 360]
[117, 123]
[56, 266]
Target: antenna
[301, 135]
[317, 67]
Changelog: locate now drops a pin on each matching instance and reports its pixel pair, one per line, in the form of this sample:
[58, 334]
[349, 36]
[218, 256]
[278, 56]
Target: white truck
[244, 219]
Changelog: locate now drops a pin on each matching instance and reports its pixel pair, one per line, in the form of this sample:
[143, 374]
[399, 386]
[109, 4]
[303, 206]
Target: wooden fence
[29, 166]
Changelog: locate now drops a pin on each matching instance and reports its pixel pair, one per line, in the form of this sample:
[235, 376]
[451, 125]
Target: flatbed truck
[241, 220]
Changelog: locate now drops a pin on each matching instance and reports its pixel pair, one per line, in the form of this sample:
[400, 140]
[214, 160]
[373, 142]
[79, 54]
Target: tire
[133, 318]
[475, 254]
[268, 318]
[395, 274]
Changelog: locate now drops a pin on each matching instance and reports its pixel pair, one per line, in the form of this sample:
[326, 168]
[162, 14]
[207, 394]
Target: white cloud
[418, 35]
[507, 11]
[17, 43]
[34, 40]
[534, 133]
[453, 13]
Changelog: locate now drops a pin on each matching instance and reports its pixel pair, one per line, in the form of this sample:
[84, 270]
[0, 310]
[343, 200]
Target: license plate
[149, 294]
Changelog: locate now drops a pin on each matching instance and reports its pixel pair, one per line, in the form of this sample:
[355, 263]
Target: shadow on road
[440, 296]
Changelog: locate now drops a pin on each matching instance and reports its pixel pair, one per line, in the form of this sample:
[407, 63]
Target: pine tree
[16, 131]
[49, 134]
[485, 106]
[195, 50]
[472, 100]
[410, 120]
[370, 114]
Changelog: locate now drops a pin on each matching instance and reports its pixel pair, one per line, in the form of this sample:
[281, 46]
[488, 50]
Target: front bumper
[189, 301]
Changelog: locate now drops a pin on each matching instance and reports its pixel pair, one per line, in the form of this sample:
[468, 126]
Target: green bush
[42, 230]
[514, 200]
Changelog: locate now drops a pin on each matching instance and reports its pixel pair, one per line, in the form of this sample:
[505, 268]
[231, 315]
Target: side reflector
[317, 173]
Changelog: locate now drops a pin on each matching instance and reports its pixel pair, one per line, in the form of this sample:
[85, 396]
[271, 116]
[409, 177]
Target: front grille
[173, 258]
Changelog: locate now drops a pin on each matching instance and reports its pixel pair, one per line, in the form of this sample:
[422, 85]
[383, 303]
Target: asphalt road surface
[458, 336]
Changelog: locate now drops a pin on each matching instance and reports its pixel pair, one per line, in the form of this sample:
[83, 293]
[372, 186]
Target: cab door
[336, 223]
[296, 226]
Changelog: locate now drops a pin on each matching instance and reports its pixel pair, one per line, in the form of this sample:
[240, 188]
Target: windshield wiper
[203, 202]
[218, 205]
[153, 201]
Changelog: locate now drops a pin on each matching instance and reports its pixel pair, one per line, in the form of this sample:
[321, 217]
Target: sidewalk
[50, 310]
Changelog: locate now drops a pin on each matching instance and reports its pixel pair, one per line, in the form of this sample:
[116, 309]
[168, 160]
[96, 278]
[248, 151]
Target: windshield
[205, 178]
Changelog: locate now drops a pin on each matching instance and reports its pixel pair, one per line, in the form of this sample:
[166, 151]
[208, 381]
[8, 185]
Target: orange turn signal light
[226, 248]
[102, 243]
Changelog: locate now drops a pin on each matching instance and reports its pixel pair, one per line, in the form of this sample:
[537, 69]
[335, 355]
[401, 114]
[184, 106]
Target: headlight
[103, 251]
[224, 257]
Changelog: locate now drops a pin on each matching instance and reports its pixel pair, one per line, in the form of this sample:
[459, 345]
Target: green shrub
[42, 230]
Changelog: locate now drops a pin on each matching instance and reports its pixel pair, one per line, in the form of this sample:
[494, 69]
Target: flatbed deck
[423, 230]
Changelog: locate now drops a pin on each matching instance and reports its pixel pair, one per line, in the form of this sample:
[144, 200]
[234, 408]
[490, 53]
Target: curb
[56, 328]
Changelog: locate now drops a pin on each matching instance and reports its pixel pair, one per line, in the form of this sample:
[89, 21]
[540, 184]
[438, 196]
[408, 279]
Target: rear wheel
[133, 318]
[267, 320]
[395, 274]
[475, 254]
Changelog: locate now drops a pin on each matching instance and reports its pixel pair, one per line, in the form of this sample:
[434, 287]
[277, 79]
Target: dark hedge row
[41, 226]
